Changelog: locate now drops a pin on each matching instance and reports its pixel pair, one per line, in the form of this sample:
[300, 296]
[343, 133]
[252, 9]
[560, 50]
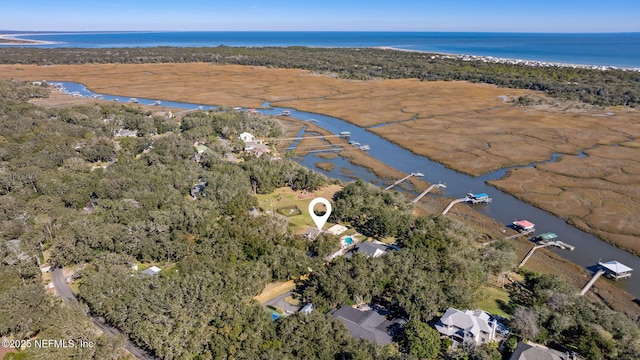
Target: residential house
[532, 351]
[372, 248]
[367, 324]
[312, 233]
[253, 212]
[153, 270]
[476, 327]
[200, 148]
[247, 137]
[198, 189]
[307, 309]
[126, 133]
[260, 149]
[250, 145]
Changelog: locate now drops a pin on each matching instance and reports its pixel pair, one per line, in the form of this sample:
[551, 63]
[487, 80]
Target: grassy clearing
[491, 299]
[275, 289]
[285, 198]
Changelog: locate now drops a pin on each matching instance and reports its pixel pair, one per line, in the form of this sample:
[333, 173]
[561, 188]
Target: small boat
[364, 148]
[158, 102]
[286, 113]
[133, 100]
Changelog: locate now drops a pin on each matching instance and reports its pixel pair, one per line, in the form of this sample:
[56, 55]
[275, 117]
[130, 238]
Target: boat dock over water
[615, 270]
[524, 226]
[481, 198]
[611, 269]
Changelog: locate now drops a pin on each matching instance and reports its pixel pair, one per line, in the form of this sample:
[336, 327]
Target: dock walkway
[456, 201]
[591, 282]
[422, 194]
[398, 181]
[559, 244]
[416, 174]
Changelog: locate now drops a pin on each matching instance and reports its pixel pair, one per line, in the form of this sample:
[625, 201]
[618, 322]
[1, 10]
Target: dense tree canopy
[75, 195]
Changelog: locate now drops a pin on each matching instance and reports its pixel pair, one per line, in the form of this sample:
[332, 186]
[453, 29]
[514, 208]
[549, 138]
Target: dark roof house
[371, 249]
[531, 351]
[367, 324]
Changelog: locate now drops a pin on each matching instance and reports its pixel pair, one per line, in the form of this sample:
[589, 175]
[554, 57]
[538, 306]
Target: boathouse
[524, 225]
[546, 237]
[478, 198]
[615, 270]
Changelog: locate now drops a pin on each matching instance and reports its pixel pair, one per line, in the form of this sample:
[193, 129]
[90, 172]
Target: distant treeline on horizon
[592, 86]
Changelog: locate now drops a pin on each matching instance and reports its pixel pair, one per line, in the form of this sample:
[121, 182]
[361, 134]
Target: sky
[324, 15]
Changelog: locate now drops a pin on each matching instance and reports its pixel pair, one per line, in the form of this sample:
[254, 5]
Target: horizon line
[43, 32]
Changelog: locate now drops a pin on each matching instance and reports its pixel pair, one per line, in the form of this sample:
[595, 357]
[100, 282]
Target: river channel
[505, 208]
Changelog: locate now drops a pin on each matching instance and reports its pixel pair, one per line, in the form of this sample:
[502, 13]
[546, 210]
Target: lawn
[491, 298]
[284, 198]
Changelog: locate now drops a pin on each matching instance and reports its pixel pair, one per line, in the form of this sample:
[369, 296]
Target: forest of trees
[87, 200]
[610, 87]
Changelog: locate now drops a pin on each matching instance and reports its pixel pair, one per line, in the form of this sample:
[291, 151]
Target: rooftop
[525, 224]
[616, 267]
[366, 324]
[531, 351]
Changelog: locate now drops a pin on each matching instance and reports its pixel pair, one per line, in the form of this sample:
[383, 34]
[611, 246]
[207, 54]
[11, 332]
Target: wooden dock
[307, 137]
[523, 233]
[591, 282]
[422, 194]
[456, 201]
[559, 244]
[417, 174]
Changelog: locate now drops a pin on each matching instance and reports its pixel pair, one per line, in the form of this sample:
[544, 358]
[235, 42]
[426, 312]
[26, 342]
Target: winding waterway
[505, 208]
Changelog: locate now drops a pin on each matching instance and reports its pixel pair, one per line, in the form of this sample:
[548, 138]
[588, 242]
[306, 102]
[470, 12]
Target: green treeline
[610, 87]
[71, 190]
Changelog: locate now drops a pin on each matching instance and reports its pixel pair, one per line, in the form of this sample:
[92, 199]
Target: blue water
[348, 241]
[610, 49]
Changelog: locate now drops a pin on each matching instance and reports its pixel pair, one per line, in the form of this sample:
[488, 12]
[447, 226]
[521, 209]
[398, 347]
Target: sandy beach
[6, 39]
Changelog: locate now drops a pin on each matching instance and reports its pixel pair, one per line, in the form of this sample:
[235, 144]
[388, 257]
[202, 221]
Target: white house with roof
[476, 326]
[153, 270]
[246, 137]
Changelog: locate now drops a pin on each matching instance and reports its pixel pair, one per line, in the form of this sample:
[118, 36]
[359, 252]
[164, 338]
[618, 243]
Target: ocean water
[608, 49]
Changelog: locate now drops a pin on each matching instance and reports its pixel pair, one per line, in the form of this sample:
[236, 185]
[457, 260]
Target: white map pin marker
[319, 220]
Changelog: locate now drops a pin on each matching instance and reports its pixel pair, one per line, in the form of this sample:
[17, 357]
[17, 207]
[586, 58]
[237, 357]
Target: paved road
[65, 292]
